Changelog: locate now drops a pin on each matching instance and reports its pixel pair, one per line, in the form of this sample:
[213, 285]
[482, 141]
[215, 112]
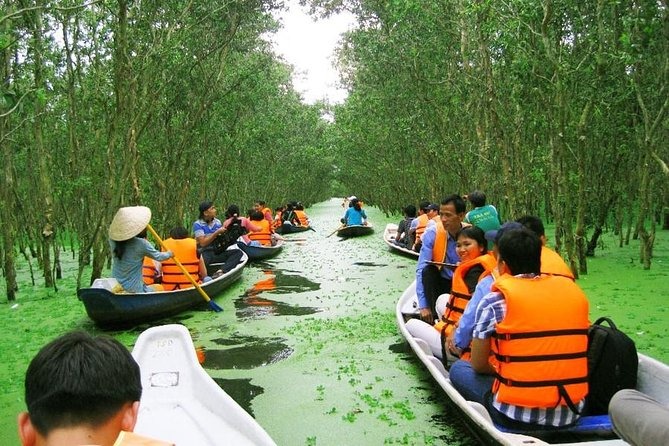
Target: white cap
[352, 197]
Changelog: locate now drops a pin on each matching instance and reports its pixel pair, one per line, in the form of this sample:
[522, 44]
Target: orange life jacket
[441, 243]
[553, 264]
[264, 236]
[149, 271]
[185, 250]
[302, 218]
[277, 221]
[267, 213]
[423, 219]
[460, 294]
[541, 344]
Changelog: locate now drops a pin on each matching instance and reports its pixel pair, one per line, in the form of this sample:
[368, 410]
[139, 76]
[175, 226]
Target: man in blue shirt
[432, 279]
[205, 231]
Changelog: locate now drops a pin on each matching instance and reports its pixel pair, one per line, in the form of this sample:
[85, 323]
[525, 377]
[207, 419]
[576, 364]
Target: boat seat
[590, 424]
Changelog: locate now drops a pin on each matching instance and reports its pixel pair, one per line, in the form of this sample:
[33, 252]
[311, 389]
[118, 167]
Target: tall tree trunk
[42, 155]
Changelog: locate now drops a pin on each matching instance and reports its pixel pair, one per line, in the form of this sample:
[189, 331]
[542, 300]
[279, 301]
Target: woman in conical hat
[127, 239]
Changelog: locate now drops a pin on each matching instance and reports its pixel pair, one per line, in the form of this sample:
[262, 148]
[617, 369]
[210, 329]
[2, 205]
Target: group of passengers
[139, 267]
[292, 213]
[486, 296]
[414, 223]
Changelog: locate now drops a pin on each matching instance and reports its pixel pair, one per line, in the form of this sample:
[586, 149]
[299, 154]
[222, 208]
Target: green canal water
[307, 341]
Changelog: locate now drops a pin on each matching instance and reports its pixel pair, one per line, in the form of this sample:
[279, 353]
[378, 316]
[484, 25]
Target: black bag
[229, 236]
[612, 365]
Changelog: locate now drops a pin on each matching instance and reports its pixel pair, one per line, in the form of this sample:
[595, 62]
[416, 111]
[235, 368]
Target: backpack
[229, 237]
[612, 365]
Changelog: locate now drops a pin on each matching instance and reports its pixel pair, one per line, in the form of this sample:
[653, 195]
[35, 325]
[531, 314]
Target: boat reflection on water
[253, 304]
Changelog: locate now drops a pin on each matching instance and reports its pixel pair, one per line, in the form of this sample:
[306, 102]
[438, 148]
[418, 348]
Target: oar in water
[333, 232]
[213, 305]
[295, 240]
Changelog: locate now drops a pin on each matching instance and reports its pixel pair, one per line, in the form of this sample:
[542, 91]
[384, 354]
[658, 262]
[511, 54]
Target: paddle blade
[214, 306]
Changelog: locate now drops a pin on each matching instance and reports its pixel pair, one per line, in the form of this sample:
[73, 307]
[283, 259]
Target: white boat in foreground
[389, 235]
[652, 379]
[180, 402]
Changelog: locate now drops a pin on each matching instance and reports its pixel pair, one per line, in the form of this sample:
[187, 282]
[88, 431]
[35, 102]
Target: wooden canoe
[653, 380]
[389, 237]
[108, 309]
[287, 228]
[355, 231]
[181, 403]
[261, 252]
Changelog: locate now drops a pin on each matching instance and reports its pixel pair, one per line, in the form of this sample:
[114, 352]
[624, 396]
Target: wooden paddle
[213, 305]
[295, 240]
[447, 265]
[333, 232]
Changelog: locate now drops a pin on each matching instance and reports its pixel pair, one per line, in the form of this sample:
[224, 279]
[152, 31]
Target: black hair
[474, 233]
[232, 210]
[256, 215]
[457, 201]
[533, 223]
[178, 232]
[423, 205]
[77, 379]
[355, 203]
[410, 211]
[521, 251]
[477, 198]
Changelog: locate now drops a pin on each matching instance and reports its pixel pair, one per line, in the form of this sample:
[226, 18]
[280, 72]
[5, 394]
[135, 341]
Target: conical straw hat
[128, 222]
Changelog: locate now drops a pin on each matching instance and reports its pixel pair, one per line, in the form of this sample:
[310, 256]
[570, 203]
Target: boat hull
[653, 379]
[108, 309]
[389, 237]
[287, 228]
[181, 403]
[355, 231]
[261, 252]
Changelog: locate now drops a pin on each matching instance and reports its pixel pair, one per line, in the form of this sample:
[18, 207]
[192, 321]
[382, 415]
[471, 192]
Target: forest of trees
[556, 108]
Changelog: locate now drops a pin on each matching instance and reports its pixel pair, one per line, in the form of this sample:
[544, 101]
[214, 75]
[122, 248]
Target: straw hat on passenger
[128, 222]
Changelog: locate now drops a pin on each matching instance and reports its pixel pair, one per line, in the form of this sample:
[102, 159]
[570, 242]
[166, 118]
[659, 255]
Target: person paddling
[127, 240]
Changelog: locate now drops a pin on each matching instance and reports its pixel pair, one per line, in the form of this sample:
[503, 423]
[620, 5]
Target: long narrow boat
[389, 235]
[108, 309]
[652, 379]
[287, 228]
[181, 403]
[261, 252]
[355, 231]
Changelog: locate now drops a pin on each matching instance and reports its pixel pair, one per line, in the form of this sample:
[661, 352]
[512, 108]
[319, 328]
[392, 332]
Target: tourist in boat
[459, 342]
[402, 235]
[551, 262]
[438, 245]
[483, 215]
[302, 218]
[232, 216]
[129, 246]
[288, 215]
[639, 419]
[261, 206]
[475, 263]
[185, 251]
[205, 231]
[354, 215]
[549, 390]
[265, 236]
[430, 213]
[82, 390]
[151, 271]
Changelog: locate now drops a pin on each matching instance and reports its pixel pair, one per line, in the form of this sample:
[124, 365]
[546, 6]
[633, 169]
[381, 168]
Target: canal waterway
[306, 343]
